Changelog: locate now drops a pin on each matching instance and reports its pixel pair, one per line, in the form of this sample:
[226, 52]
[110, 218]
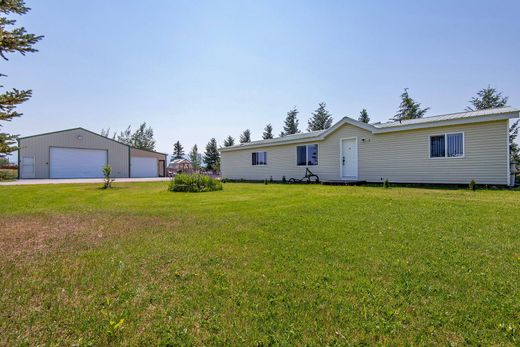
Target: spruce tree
[13, 40]
[229, 141]
[409, 109]
[487, 98]
[194, 158]
[490, 98]
[321, 119]
[212, 156]
[363, 116]
[268, 132]
[246, 136]
[143, 138]
[291, 123]
[178, 150]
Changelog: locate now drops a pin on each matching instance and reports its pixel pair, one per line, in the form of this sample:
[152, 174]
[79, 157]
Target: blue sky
[200, 69]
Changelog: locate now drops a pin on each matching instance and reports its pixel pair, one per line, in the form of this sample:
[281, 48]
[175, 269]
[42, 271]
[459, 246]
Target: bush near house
[194, 183]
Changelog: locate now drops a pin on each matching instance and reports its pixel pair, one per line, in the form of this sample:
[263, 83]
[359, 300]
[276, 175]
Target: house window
[447, 145]
[307, 155]
[259, 158]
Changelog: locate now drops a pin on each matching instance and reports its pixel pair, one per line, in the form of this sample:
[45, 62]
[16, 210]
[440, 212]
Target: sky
[194, 70]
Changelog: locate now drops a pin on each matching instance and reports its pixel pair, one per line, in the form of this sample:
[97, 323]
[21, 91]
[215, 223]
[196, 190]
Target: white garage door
[143, 167]
[76, 163]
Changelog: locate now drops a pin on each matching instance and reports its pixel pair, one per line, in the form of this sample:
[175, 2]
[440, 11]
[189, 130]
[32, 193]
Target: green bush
[386, 184]
[194, 183]
[7, 175]
[472, 185]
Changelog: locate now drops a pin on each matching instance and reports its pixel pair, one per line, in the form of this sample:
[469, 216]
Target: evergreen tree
[268, 132]
[212, 156]
[229, 141]
[125, 136]
[143, 138]
[13, 40]
[321, 119]
[194, 157]
[291, 123]
[490, 98]
[246, 136]
[363, 116]
[409, 109]
[178, 150]
[487, 98]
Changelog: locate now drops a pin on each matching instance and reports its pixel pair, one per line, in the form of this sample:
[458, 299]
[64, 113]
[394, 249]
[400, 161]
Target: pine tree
[143, 138]
[125, 136]
[291, 123]
[212, 156]
[12, 41]
[268, 132]
[321, 119]
[409, 109]
[363, 116]
[490, 98]
[195, 158]
[487, 98]
[229, 141]
[178, 150]
[246, 136]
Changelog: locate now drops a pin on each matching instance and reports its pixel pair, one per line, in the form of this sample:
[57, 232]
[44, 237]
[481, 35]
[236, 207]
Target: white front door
[349, 158]
[77, 162]
[27, 167]
[143, 167]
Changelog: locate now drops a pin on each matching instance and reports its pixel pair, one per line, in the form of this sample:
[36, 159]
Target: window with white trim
[307, 155]
[259, 158]
[447, 145]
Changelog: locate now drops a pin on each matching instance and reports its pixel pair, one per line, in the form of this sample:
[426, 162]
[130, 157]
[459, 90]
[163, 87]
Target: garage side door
[143, 167]
[76, 163]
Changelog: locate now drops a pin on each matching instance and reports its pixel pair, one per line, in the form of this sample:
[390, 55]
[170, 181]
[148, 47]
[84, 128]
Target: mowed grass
[258, 264]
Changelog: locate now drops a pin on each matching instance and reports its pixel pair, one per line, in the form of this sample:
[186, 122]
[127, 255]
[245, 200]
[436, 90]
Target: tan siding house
[80, 153]
[448, 149]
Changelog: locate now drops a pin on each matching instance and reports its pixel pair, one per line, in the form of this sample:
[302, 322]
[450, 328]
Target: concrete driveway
[79, 180]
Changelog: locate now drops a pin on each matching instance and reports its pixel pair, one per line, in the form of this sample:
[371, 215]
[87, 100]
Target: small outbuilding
[180, 165]
[81, 153]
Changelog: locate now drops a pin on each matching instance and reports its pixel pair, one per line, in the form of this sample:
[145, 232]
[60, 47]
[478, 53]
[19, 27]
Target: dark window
[259, 158]
[437, 146]
[307, 155]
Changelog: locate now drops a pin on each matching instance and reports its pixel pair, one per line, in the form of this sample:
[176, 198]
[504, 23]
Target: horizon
[193, 72]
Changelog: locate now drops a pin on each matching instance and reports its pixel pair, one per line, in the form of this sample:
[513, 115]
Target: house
[446, 149]
[81, 153]
[180, 165]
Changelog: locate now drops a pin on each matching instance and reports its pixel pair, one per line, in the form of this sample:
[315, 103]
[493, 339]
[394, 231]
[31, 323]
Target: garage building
[81, 153]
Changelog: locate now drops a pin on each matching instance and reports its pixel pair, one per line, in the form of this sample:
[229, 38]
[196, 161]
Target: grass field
[258, 264]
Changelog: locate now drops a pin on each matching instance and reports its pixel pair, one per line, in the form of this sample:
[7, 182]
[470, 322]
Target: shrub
[284, 180]
[7, 175]
[265, 181]
[194, 183]
[386, 184]
[107, 179]
[472, 185]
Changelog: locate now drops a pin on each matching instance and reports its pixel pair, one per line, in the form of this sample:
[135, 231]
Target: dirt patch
[23, 237]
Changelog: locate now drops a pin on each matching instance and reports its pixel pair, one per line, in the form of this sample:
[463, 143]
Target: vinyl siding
[401, 157]
[39, 148]
[134, 152]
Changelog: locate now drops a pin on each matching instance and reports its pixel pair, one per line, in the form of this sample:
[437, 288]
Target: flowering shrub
[194, 183]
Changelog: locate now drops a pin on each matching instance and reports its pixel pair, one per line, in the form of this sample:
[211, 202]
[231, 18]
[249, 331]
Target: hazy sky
[195, 69]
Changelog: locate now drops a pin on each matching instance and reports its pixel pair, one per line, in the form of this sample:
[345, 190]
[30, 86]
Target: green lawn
[258, 264]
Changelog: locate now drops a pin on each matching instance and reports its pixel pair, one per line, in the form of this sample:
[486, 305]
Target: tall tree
[13, 40]
[178, 150]
[229, 141]
[491, 98]
[125, 136]
[212, 156]
[143, 138]
[363, 116]
[321, 119]
[268, 132]
[487, 98]
[106, 133]
[291, 123]
[194, 157]
[409, 109]
[246, 136]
